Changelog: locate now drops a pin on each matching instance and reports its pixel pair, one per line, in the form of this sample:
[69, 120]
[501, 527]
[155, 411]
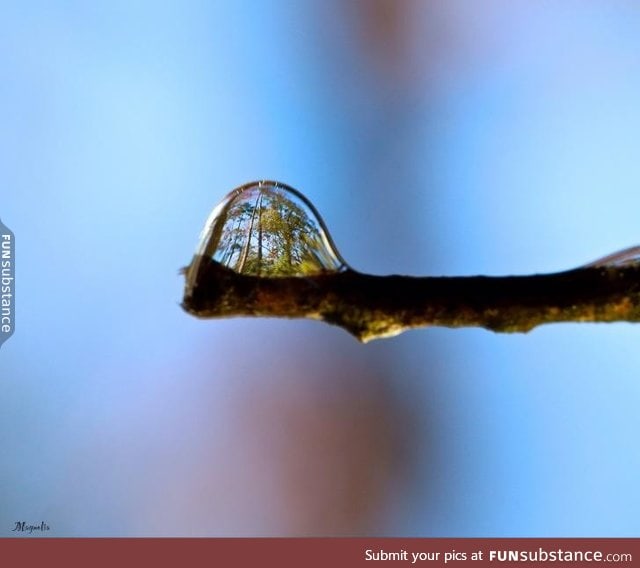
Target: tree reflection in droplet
[269, 229]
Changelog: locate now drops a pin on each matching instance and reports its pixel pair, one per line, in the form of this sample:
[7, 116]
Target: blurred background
[435, 138]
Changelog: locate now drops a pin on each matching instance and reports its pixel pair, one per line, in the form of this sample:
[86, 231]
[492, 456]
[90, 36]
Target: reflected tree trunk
[247, 245]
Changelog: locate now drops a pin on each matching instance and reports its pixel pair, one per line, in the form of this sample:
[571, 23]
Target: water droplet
[269, 229]
[623, 258]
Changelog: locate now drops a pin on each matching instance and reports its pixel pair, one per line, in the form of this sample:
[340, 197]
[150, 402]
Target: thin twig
[370, 307]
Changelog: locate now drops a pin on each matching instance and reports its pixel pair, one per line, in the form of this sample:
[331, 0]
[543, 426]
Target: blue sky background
[434, 138]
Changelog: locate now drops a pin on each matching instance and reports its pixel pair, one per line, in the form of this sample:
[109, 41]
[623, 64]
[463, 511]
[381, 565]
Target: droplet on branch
[268, 229]
[625, 257]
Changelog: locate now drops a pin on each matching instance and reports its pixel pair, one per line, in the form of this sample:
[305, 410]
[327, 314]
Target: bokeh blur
[434, 138]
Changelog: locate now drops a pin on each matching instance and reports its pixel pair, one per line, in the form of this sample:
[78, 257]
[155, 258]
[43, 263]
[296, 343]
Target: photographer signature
[22, 526]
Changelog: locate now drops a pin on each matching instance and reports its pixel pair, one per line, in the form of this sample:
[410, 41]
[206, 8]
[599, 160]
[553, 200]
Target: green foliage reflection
[269, 231]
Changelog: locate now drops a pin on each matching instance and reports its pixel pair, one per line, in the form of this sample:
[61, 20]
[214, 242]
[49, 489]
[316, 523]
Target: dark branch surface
[380, 306]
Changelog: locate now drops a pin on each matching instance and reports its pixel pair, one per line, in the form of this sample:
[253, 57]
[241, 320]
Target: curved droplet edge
[625, 257]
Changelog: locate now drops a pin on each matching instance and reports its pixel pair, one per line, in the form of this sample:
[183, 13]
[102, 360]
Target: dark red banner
[320, 552]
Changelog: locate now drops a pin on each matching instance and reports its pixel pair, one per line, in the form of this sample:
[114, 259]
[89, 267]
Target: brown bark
[380, 306]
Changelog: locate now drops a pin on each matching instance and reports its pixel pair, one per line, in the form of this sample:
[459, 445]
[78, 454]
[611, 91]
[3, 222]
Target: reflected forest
[266, 230]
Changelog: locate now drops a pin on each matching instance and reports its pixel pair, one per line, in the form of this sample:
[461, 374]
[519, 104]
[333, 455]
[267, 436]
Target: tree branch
[370, 307]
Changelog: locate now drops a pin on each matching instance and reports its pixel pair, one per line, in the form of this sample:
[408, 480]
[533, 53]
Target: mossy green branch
[370, 307]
